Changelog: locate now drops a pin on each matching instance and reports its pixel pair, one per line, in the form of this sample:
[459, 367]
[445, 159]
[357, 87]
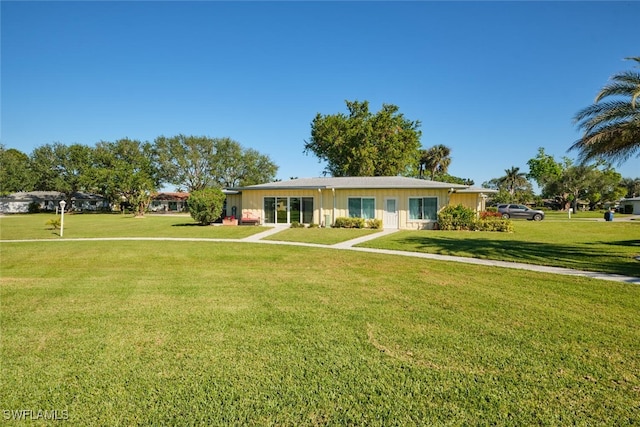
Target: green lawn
[579, 243]
[609, 247]
[320, 236]
[208, 333]
[15, 227]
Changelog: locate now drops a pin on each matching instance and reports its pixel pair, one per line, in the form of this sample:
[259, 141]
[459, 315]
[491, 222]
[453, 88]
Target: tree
[514, 180]
[445, 177]
[58, 167]
[512, 188]
[124, 171]
[185, 161]
[572, 185]
[256, 169]
[15, 171]
[543, 168]
[205, 206]
[612, 128]
[607, 187]
[365, 144]
[596, 182]
[436, 160]
[632, 185]
[196, 163]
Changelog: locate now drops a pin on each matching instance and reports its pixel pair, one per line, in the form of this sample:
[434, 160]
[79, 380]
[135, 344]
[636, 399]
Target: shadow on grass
[191, 224]
[579, 257]
[623, 243]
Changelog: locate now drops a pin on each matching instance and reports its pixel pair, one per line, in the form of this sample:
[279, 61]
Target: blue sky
[492, 80]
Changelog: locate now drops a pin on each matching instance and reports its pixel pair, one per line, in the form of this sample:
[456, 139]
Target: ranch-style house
[399, 202]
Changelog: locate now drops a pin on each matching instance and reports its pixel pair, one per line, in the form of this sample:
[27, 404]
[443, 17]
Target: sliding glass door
[285, 210]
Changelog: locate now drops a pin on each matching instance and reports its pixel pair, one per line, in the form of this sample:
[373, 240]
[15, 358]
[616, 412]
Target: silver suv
[520, 211]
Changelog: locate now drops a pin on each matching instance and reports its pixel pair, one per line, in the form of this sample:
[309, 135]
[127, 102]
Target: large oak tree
[124, 170]
[362, 143]
[15, 171]
[198, 162]
[63, 168]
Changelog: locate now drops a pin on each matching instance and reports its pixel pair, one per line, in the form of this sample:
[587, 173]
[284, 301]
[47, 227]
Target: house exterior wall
[468, 200]
[635, 202]
[329, 205]
[233, 200]
[252, 201]
[50, 202]
[14, 206]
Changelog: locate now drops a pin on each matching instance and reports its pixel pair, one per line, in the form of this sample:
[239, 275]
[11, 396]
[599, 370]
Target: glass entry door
[285, 210]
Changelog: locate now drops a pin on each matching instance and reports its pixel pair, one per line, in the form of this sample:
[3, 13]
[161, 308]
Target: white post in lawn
[62, 204]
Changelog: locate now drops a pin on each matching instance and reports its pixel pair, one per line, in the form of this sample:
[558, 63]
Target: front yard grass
[609, 247]
[320, 236]
[16, 227]
[208, 333]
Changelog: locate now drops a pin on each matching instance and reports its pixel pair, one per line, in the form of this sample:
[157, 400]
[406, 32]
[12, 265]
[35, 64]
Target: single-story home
[178, 202]
[169, 202]
[50, 201]
[633, 202]
[399, 202]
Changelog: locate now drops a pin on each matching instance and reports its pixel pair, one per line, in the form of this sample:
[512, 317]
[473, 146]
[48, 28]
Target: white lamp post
[62, 205]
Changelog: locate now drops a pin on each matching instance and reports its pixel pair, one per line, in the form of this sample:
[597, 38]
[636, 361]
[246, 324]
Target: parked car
[520, 211]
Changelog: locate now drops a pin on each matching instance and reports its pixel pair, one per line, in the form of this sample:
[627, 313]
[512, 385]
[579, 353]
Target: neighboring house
[169, 202]
[399, 202]
[50, 201]
[178, 202]
[633, 202]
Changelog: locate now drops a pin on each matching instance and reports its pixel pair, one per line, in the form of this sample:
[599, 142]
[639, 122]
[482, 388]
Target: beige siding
[329, 205]
[234, 200]
[253, 200]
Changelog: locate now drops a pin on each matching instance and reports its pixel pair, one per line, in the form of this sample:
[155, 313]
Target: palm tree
[436, 160]
[513, 180]
[612, 128]
[632, 185]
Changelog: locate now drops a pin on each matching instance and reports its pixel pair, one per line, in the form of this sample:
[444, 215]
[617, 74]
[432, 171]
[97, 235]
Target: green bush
[296, 224]
[375, 223]
[205, 206]
[312, 225]
[456, 218]
[462, 218]
[492, 209]
[33, 208]
[344, 222]
[490, 224]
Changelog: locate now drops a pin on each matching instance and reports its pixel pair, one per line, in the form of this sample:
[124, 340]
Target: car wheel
[505, 216]
[537, 217]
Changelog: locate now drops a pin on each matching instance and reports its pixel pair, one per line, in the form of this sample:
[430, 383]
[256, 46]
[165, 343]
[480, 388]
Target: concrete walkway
[350, 245]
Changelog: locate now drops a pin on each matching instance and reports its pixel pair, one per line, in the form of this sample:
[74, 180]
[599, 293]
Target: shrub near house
[462, 218]
[205, 206]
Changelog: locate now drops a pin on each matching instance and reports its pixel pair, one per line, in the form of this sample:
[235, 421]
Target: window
[307, 210]
[425, 208]
[270, 210]
[361, 207]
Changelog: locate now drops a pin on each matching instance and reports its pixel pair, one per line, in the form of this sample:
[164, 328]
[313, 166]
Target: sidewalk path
[350, 245]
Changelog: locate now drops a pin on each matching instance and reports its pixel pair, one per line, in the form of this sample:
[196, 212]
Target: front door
[390, 214]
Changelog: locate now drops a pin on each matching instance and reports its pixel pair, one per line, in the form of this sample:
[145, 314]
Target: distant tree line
[564, 183]
[131, 170]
